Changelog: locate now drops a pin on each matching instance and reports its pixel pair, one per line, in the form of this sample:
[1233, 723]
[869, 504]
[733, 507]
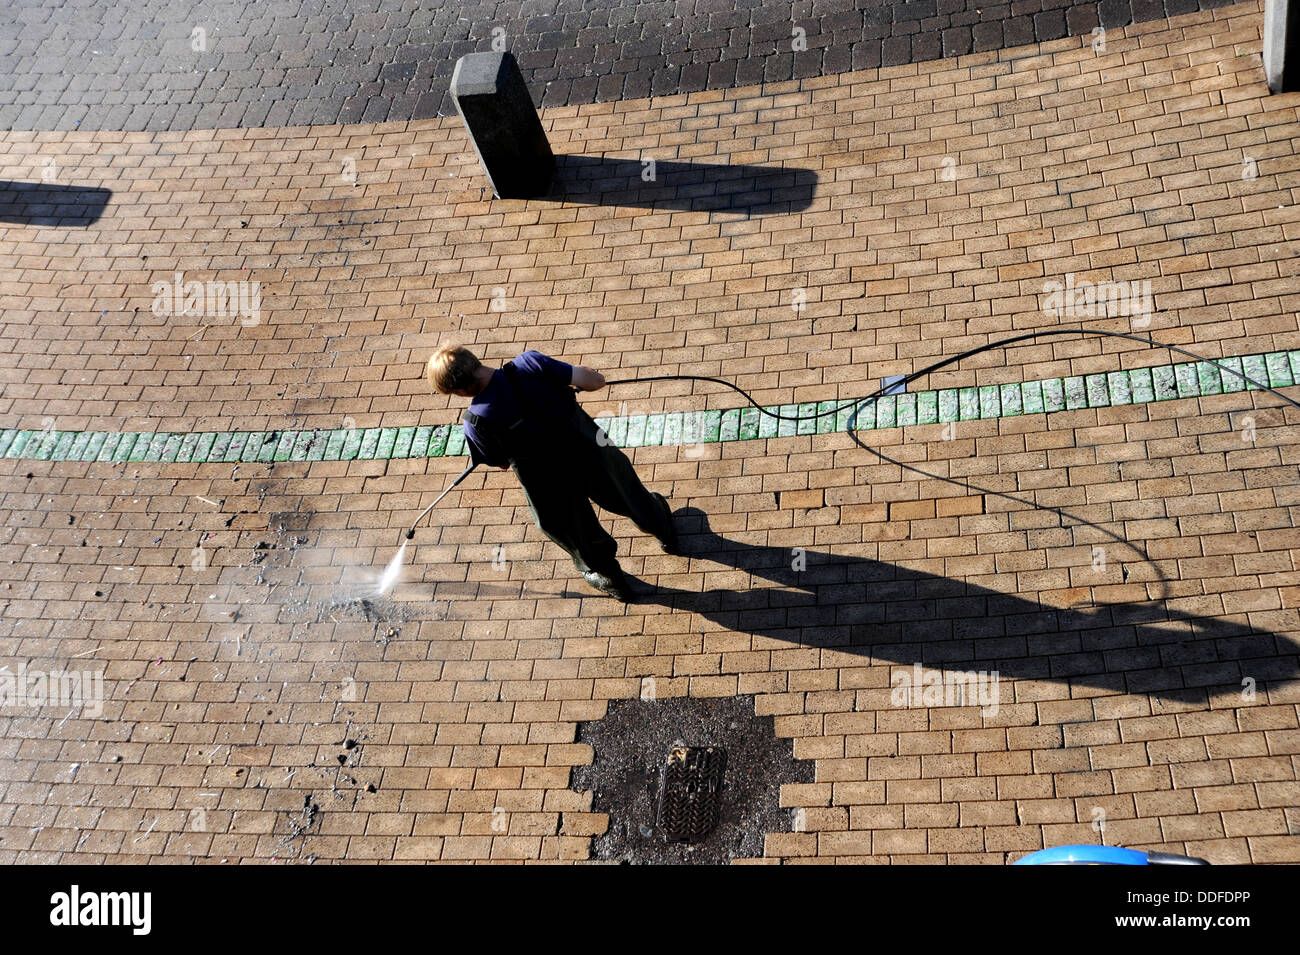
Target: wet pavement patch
[633, 771]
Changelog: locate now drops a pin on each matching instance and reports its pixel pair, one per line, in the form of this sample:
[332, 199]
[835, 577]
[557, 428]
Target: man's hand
[587, 379]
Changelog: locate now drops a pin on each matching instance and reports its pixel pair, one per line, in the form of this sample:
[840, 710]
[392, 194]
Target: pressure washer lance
[463, 474]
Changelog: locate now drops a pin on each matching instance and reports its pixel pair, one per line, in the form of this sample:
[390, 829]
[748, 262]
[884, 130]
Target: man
[524, 416]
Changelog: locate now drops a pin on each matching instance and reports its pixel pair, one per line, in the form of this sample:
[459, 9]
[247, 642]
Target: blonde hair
[452, 368]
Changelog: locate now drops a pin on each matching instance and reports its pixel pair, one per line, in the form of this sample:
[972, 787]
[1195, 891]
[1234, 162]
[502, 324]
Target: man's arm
[587, 379]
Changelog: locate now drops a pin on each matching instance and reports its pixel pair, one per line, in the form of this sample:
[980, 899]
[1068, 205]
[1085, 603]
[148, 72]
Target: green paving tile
[420, 441]
[402, 443]
[886, 411]
[171, 448]
[52, 441]
[438, 441]
[42, 447]
[351, 444]
[63, 448]
[749, 424]
[1143, 385]
[316, 444]
[334, 445]
[144, 448]
[188, 445]
[654, 430]
[1166, 384]
[806, 424]
[990, 401]
[455, 442]
[1076, 393]
[1279, 371]
[77, 452]
[636, 431]
[1097, 391]
[785, 425]
[1119, 388]
[94, 446]
[729, 430]
[927, 407]
[283, 449]
[617, 430]
[7, 438]
[151, 448]
[304, 446]
[252, 446]
[1294, 357]
[220, 443]
[826, 416]
[1053, 395]
[1230, 374]
[265, 447]
[948, 409]
[124, 444]
[1256, 369]
[387, 439]
[710, 425]
[906, 409]
[203, 450]
[968, 404]
[1208, 379]
[672, 429]
[1032, 392]
[109, 447]
[1011, 400]
[27, 443]
[369, 444]
[122, 448]
[1186, 381]
[768, 425]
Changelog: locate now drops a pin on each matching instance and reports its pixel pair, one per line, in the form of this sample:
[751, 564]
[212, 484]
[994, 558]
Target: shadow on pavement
[682, 186]
[48, 204]
[867, 607]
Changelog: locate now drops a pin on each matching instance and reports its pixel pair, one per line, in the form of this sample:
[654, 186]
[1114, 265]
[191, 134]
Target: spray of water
[392, 571]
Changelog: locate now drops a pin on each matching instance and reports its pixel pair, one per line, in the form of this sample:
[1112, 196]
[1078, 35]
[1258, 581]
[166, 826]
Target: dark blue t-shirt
[544, 382]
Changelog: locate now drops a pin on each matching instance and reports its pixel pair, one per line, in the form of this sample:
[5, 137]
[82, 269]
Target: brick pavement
[253, 713]
[225, 63]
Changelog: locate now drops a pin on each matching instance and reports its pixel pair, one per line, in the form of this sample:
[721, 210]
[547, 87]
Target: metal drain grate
[690, 792]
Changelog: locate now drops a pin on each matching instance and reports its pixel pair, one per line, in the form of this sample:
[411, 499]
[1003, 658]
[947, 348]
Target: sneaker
[616, 585]
[667, 543]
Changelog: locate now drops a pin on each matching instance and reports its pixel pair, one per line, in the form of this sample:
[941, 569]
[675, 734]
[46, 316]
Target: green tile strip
[1102, 390]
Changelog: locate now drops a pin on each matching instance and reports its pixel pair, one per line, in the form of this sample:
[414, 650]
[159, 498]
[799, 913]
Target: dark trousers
[576, 469]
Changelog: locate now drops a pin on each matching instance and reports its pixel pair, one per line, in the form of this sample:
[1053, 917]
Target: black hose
[1062, 515]
[952, 359]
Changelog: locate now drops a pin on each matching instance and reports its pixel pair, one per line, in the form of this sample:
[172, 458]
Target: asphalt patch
[631, 744]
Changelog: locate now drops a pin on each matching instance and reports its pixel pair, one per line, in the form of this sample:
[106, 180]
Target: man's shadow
[868, 607]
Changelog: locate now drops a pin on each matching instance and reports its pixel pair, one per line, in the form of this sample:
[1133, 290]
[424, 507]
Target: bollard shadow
[871, 608]
[49, 204]
[682, 186]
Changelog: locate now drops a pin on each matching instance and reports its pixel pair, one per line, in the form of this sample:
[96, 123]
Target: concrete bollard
[1282, 45]
[503, 125]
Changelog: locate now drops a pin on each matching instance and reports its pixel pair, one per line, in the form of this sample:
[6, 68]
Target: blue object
[894, 384]
[1104, 855]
